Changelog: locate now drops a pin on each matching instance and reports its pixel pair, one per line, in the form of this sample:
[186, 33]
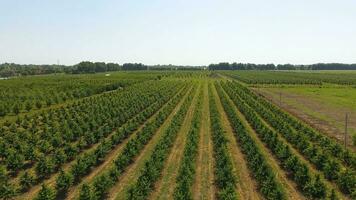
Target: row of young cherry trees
[337, 164]
[28, 139]
[345, 156]
[153, 167]
[84, 165]
[49, 162]
[97, 188]
[186, 173]
[308, 182]
[225, 179]
[269, 187]
[22, 95]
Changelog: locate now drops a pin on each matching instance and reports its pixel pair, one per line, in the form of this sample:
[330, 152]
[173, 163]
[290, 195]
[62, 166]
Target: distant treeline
[11, 69]
[251, 66]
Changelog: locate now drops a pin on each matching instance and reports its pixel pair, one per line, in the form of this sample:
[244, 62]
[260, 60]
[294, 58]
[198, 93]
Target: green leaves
[225, 179]
[46, 193]
[185, 177]
[263, 173]
[134, 145]
[26, 180]
[64, 181]
[153, 167]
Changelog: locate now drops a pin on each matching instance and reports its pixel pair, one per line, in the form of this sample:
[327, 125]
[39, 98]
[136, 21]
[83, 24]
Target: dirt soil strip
[246, 186]
[164, 188]
[74, 191]
[203, 187]
[133, 171]
[289, 186]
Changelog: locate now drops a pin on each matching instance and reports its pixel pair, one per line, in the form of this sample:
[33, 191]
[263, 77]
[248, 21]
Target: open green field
[323, 107]
[320, 98]
[293, 77]
[170, 135]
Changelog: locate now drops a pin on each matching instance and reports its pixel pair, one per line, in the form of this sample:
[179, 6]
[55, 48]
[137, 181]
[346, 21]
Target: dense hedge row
[97, 188]
[321, 157]
[269, 187]
[186, 173]
[225, 179]
[309, 183]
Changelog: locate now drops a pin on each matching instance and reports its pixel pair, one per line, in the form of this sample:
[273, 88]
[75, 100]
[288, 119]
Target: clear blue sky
[195, 32]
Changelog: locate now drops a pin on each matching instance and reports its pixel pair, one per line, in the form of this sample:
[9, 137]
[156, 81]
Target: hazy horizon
[178, 32]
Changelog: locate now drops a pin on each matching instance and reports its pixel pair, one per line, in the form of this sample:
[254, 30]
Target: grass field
[184, 135]
[324, 107]
[293, 77]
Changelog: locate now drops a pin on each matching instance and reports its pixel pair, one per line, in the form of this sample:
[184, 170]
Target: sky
[180, 32]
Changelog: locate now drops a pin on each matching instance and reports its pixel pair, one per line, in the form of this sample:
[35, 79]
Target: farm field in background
[294, 77]
[177, 135]
[324, 108]
[24, 94]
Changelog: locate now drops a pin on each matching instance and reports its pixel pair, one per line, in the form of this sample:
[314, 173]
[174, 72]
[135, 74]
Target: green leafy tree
[44, 167]
[28, 106]
[14, 160]
[38, 104]
[347, 181]
[26, 180]
[64, 181]
[3, 110]
[46, 193]
[7, 190]
[16, 109]
[86, 192]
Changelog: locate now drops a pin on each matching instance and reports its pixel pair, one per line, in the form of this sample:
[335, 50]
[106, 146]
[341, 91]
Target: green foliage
[7, 190]
[326, 154]
[64, 181]
[134, 146]
[14, 160]
[46, 193]
[153, 166]
[225, 178]
[27, 179]
[262, 171]
[291, 77]
[86, 192]
[27, 93]
[44, 167]
[186, 173]
[3, 110]
[54, 132]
